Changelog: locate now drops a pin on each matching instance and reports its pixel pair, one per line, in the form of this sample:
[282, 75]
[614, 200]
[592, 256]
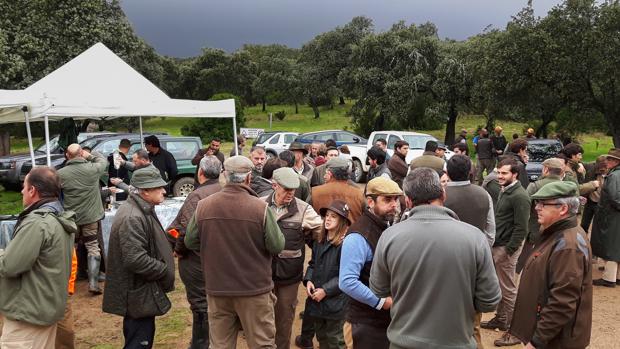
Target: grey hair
[572, 203]
[236, 178]
[422, 186]
[340, 173]
[142, 154]
[211, 166]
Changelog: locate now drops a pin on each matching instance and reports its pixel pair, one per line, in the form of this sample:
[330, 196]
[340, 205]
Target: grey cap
[238, 164]
[337, 163]
[147, 178]
[286, 177]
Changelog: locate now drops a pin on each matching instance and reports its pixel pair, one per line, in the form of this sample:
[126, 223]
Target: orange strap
[174, 233]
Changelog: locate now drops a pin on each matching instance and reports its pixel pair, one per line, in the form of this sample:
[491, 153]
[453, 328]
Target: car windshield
[90, 143]
[539, 152]
[418, 141]
[263, 137]
[53, 145]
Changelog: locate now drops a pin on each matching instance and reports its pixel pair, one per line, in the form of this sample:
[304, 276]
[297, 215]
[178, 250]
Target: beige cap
[238, 164]
[286, 177]
[553, 163]
[383, 186]
[337, 162]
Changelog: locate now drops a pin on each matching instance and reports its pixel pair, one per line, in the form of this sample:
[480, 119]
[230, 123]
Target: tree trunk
[380, 122]
[613, 121]
[542, 130]
[341, 100]
[5, 143]
[264, 104]
[315, 107]
[296, 108]
[84, 125]
[490, 122]
[451, 125]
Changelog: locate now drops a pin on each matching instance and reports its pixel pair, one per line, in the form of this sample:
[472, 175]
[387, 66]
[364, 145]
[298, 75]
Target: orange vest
[73, 275]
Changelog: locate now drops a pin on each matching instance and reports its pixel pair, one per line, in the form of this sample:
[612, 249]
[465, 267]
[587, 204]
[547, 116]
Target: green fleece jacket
[80, 186]
[512, 214]
[35, 267]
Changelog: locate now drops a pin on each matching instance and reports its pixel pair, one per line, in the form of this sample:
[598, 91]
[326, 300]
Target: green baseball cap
[558, 189]
[147, 178]
[286, 177]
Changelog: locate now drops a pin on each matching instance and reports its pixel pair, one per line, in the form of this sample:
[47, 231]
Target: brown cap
[238, 164]
[383, 186]
[614, 153]
[553, 163]
[338, 207]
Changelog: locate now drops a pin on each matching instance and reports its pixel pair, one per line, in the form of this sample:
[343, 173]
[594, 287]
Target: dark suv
[11, 165]
[540, 150]
[182, 148]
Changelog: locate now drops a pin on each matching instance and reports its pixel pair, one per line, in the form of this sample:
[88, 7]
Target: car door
[391, 141]
[183, 151]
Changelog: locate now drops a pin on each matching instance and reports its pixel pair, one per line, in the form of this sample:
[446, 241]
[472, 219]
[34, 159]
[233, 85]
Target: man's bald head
[73, 151]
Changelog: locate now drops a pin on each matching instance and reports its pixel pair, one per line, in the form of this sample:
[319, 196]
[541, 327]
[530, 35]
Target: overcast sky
[181, 28]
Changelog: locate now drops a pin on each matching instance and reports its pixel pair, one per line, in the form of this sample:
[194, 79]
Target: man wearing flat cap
[554, 302]
[237, 234]
[552, 171]
[299, 223]
[606, 226]
[140, 267]
[338, 187]
[368, 314]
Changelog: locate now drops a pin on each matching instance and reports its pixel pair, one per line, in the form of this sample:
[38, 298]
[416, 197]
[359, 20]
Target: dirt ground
[95, 329]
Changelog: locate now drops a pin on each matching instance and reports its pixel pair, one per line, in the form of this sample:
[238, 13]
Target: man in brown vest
[368, 314]
[337, 187]
[237, 234]
[473, 205]
[298, 222]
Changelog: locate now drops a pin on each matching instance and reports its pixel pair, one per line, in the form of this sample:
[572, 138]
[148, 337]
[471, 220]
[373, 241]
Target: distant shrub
[280, 115]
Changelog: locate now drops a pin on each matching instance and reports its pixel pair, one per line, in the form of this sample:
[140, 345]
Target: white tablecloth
[166, 212]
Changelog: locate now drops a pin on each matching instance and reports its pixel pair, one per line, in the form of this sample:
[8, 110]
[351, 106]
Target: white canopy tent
[97, 84]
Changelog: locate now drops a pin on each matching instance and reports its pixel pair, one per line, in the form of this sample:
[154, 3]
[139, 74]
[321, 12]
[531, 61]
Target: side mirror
[356, 140]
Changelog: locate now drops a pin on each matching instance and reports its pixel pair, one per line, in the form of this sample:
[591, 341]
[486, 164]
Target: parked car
[540, 150]
[355, 143]
[263, 136]
[276, 142]
[182, 148]
[417, 142]
[11, 165]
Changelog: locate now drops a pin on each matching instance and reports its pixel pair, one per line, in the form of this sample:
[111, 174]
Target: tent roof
[99, 84]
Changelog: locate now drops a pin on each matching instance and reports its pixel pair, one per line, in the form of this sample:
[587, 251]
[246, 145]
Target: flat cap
[337, 162]
[147, 178]
[558, 189]
[238, 164]
[553, 163]
[442, 146]
[383, 186]
[286, 177]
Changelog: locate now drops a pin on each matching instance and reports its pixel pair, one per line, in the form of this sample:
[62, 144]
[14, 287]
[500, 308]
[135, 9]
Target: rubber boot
[93, 275]
[200, 331]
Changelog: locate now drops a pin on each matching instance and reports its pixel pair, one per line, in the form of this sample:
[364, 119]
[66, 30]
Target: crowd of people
[410, 260]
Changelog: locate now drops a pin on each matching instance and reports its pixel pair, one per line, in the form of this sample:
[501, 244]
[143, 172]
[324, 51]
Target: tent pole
[27, 115]
[47, 141]
[235, 135]
[141, 135]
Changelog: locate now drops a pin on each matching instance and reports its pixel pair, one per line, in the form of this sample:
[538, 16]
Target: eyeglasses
[542, 204]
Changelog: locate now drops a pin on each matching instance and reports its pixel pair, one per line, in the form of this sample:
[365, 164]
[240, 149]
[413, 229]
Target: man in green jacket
[512, 214]
[35, 267]
[80, 187]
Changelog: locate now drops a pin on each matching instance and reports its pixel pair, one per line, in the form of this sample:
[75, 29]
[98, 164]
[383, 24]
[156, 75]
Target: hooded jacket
[36, 266]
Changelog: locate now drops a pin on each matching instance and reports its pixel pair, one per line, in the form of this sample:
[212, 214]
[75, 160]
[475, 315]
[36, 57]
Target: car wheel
[183, 187]
[358, 171]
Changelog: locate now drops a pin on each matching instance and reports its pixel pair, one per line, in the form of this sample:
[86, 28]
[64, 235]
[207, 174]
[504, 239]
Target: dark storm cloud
[182, 27]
